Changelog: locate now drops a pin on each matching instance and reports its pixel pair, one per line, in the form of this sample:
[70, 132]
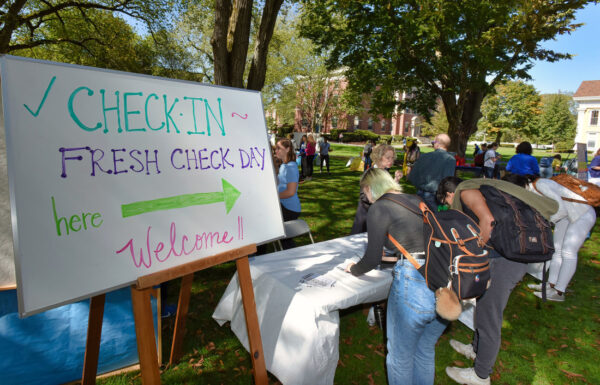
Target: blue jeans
[488, 172]
[413, 328]
[546, 172]
[368, 162]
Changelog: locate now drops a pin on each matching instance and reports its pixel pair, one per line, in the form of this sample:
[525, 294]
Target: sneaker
[371, 316]
[464, 349]
[551, 295]
[466, 376]
[538, 287]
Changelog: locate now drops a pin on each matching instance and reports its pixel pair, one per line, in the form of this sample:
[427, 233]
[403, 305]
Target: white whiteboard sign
[114, 176]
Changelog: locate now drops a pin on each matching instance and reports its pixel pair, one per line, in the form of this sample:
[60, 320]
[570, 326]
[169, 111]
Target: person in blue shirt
[287, 184]
[324, 149]
[594, 169]
[523, 163]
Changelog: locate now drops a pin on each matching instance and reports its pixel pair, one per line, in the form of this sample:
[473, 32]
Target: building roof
[588, 88]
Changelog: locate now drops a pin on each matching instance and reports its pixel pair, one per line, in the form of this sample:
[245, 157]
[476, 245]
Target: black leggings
[288, 215]
[325, 158]
[310, 161]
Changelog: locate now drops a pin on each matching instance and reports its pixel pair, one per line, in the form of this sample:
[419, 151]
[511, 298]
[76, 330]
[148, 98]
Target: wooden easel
[144, 326]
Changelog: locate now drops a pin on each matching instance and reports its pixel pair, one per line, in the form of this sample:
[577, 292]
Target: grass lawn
[550, 343]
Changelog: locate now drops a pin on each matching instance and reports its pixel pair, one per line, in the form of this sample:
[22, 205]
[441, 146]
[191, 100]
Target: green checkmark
[35, 114]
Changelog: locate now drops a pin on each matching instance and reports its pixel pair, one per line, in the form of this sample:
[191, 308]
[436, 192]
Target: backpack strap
[417, 212]
[575, 200]
[406, 254]
[563, 198]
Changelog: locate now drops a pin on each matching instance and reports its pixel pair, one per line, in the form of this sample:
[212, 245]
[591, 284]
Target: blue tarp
[48, 348]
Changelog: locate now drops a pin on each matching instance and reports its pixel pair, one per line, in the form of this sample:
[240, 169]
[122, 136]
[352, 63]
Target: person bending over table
[572, 223]
[287, 185]
[505, 274]
[413, 327]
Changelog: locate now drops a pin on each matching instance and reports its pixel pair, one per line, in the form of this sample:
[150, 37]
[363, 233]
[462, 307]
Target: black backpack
[521, 233]
[453, 257]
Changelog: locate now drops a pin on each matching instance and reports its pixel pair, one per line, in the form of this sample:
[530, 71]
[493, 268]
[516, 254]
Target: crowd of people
[412, 325]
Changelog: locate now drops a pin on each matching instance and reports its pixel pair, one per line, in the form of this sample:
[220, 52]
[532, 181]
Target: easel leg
[254, 339]
[144, 330]
[182, 310]
[92, 348]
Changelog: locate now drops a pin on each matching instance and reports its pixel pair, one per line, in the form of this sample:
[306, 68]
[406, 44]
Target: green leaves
[457, 51]
[512, 110]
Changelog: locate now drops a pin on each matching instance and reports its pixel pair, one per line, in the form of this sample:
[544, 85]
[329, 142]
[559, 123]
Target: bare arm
[289, 191]
[475, 201]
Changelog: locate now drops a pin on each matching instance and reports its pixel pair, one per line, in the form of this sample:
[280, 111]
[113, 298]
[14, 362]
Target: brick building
[400, 122]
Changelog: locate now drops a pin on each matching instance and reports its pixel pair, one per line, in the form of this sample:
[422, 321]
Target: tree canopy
[457, 51]
[511, 110]
[557, 124]
[32, 23]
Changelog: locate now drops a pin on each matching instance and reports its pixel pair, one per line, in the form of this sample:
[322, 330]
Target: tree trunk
[468, 108]
[230, 41]
[219, 42]
[498, 137]
[258, 67]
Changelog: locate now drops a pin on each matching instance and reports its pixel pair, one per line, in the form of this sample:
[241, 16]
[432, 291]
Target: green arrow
[229, 195]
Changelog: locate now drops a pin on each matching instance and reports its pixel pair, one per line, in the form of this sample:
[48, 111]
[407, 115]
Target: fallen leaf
[571, 374]
[371, 380]
[359, 356]
[340, 362]
[379, 353]
[460, 364]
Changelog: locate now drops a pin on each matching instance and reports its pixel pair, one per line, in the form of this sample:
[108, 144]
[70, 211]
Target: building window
[370, 124]
[356, 122]
[594, 120]
[334, 122]
[591, 142]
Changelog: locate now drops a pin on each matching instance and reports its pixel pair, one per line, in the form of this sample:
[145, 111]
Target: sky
[567, 75]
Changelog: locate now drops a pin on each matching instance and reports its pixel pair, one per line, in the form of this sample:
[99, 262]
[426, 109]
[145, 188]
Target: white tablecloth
[299, 325]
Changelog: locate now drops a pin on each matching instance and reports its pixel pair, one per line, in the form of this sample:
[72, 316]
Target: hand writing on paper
[349, 266]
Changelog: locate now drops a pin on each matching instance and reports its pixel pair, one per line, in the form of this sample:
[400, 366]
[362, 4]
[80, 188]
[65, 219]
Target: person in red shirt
[311, 148]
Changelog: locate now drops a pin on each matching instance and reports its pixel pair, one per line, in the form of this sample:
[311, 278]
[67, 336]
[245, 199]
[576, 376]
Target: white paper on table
[317, 280]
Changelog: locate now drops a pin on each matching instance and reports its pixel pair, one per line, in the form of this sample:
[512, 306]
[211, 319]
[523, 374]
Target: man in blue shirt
[431, 168]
